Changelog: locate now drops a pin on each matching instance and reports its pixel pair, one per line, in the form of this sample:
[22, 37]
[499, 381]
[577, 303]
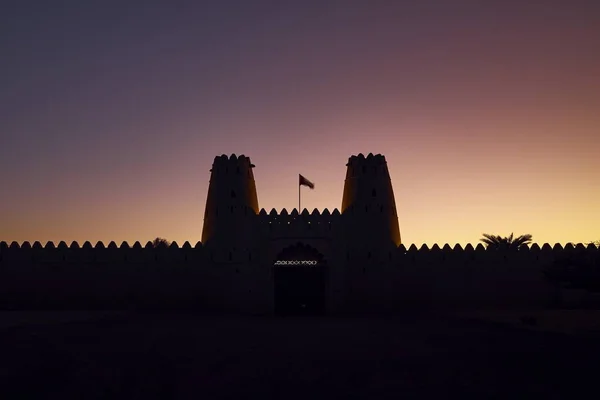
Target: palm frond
[523, 239]
[505, 242]
[490, 240]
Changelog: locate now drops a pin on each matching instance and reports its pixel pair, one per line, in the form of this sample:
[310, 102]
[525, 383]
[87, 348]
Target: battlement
[88, 245]
[294, 213]
[283, 218]
[233, 164]
[535, 247]
[370, 165]
[369, 159]
[284, 224]
[232, 160]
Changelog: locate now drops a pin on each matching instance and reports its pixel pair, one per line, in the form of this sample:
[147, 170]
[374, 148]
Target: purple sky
[111, 112]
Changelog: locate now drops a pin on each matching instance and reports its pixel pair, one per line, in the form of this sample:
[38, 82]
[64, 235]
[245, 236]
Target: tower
[232, 202]
[368, 203]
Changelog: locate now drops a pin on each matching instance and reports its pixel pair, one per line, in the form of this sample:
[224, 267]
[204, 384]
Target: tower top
[232, 160]
[370, 158]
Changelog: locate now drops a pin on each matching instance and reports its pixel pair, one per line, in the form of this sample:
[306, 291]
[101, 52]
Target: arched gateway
[300, 280]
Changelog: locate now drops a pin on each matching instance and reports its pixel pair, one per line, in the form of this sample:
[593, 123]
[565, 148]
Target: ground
[579, 322]
[145, 356]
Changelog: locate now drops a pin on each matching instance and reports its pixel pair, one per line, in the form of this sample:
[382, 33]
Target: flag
[306, 182]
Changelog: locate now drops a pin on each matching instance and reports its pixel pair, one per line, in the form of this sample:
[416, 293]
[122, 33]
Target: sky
[111, 113]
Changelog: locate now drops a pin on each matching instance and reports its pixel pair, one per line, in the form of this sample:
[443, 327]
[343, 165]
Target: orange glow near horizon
[453, 204]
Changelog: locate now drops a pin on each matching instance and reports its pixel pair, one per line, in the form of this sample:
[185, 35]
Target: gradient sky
[111, 113]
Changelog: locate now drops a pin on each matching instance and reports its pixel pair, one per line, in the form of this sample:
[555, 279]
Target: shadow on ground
[185, 356]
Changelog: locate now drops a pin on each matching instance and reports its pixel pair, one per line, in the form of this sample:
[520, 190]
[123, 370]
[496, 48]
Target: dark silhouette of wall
[211, 279]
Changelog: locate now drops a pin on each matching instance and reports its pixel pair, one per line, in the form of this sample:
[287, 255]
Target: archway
[300, 280]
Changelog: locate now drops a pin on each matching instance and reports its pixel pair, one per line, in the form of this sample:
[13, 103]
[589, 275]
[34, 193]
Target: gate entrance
[300, 278]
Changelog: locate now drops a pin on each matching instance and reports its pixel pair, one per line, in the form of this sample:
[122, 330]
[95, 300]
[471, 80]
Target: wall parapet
[88, 245]
[283, 224]
[283, 218]
[410, 274]
[305, 213]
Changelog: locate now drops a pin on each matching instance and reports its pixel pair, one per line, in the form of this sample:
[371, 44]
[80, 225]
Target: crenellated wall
[299, 226]
[241, 279]
[232, 268]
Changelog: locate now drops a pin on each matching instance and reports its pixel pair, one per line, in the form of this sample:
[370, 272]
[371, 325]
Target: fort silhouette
[251, 261]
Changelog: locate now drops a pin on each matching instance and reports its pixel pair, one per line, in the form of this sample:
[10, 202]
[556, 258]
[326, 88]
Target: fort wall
[241, 279]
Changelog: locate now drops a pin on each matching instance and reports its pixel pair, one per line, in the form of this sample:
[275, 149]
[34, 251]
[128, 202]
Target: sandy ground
[579, 322]
[137, 356]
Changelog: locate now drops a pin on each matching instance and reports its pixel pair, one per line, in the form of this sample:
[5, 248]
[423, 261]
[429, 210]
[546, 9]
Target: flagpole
[299, 212]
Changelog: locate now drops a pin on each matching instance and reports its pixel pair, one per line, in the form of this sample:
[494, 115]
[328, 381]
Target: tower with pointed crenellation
[368, 203]
[232, 202]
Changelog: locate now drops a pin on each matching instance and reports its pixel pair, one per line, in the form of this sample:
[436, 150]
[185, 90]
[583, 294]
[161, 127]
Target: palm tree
[509, 242]
[160, 242]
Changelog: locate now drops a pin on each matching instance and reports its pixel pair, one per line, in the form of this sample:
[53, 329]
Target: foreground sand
[578, 322]
[130, 356]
